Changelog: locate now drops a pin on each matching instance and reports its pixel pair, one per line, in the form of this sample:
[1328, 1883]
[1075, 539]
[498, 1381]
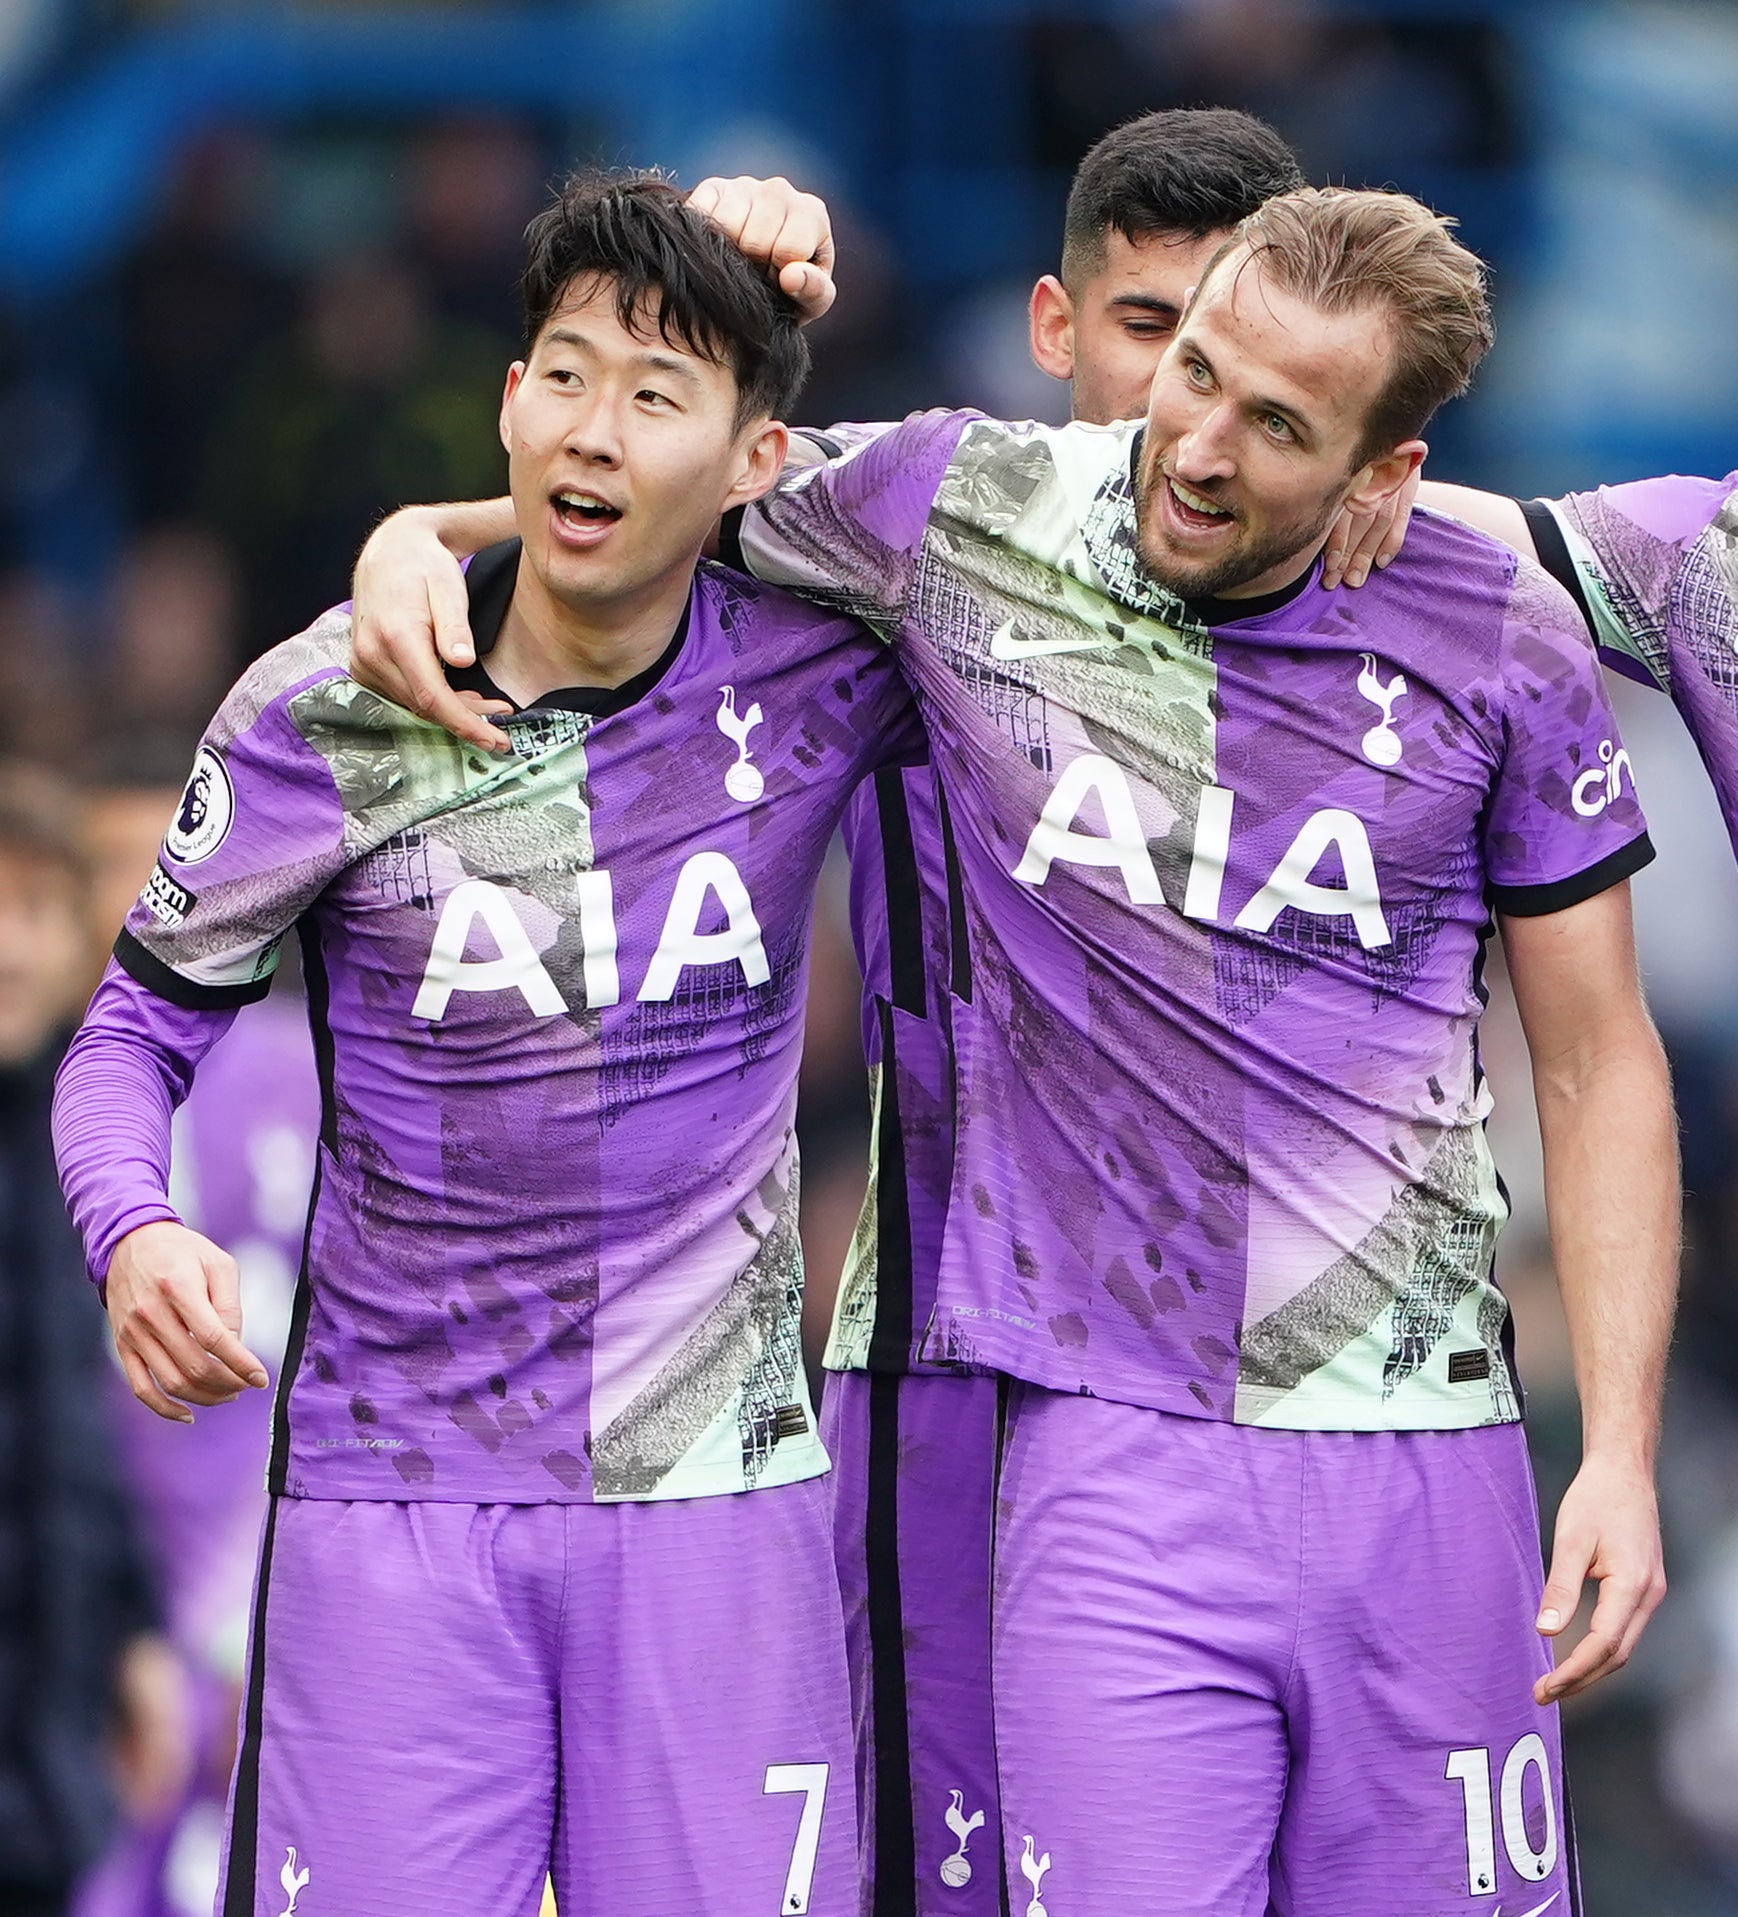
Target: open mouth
[580, 509]
[1195, 510]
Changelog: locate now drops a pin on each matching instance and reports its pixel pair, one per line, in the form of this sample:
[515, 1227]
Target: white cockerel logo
[1033, 1869]
[743, 781]
[293, 1880]
[956, 1870]
[1381, 743]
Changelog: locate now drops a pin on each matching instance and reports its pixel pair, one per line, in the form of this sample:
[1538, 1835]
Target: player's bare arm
[1612, 1196]
[1360, 543]
[1491, 513]
[411, 612]
[174, 1303]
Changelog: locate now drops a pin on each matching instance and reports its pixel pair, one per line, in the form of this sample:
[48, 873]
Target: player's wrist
[135, 1236]
[423, 524]
[1626, 1451]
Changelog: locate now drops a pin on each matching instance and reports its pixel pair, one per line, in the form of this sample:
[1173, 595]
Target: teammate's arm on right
[1491, 513]
[772, 221]
[1361, 543]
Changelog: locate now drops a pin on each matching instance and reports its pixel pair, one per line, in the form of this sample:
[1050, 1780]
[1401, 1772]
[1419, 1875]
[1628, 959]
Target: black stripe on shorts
[895, 1839]
[242, 1865]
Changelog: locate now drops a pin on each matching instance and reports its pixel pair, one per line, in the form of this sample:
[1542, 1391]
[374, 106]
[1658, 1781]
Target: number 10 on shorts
[1472, 1771]
[811, 1780]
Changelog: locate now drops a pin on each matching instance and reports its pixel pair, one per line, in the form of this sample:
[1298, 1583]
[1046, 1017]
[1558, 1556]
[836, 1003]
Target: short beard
[1211, 580]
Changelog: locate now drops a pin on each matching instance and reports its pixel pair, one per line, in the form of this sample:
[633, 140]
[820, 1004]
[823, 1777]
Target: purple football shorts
[1243, 1672]
[649, 1702]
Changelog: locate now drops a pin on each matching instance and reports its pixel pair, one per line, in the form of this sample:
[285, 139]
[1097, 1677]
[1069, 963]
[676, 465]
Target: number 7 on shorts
[811, 1780]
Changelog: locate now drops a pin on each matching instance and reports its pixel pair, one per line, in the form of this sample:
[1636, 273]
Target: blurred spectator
[42, 650]
[244, 1159]
[1363, 101]
[192, 304]
[89, 1695]
[172, 653]
[471, 187]
[370, 400]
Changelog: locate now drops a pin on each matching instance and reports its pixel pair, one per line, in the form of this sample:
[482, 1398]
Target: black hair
[665, 261]
[1193, 170]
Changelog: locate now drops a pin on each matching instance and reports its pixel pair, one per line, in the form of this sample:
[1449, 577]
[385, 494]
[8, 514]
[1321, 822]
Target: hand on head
[770, 220]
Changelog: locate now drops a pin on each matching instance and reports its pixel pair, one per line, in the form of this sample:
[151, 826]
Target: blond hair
[1342, 250]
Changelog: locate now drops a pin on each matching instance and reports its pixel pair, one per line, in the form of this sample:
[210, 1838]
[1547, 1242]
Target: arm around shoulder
[412, 611]
[1492, 513]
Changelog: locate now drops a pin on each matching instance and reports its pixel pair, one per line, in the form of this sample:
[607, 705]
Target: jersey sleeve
[1563, 822]
[849, 530]
[130, 1064]
[257, 834]
[1655, 564]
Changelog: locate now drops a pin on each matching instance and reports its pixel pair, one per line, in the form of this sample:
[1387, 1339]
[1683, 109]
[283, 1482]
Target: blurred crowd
[311, 329]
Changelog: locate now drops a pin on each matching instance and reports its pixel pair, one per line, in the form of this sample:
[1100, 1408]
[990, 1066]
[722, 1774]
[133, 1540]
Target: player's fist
[175, 1309]
[791, 232]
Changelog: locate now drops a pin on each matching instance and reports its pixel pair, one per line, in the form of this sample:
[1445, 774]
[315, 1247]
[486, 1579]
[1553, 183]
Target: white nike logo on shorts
[1538, 1910]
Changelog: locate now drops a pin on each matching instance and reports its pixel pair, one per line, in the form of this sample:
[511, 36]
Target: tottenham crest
[743, 781]
[205, 814]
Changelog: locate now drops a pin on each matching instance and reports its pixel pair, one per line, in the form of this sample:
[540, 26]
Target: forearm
[467, 526]
[129, 1066]
[1492, 513]
[1612, 1197]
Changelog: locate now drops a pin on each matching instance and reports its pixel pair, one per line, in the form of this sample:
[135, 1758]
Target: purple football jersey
[557, 999]
[1657, 566]
[1227, 872]
[904, 885]
[905, 923]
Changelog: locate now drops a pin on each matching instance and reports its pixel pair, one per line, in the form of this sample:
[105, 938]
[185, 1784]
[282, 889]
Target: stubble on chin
[1249, 559]
[1183, 580]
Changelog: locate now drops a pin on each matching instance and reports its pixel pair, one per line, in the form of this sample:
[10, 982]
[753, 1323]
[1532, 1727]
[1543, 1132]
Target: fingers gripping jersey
[1226, 875]
[558, 997]
[1657, 564]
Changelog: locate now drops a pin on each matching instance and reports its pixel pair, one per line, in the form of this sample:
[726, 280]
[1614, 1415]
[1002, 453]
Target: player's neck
[545, 643]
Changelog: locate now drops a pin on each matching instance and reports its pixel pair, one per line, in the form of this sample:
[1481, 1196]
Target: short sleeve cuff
[1558, 895]
[146, 969]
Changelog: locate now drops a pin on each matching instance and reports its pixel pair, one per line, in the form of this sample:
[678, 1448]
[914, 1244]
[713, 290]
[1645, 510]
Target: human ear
[1050, 328]
[515, 373]
[762, 458]
[1379, 480]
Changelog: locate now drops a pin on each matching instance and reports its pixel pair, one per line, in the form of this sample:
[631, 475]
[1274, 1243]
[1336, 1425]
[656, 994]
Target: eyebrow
[655, 362]
[1147, 303]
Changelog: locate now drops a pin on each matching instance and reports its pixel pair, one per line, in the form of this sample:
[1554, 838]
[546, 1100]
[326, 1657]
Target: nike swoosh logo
[1538, 1910]
[1005, 644]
